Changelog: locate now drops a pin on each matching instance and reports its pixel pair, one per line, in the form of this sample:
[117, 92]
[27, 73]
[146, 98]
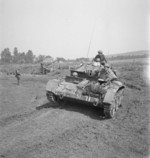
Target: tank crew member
[17, 75]
[110, 73]
[100, 58]
[95, 88]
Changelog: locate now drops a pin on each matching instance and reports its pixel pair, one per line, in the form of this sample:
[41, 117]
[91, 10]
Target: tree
[15, 55]
[29, 58]
[6, 56]
[21, 58]
[82, 59]
[60, 59]
[40, 58]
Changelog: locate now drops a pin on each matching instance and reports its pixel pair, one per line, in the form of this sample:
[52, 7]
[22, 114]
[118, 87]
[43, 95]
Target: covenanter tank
[88, 84]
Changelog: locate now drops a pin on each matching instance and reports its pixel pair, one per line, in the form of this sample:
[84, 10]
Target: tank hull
[60, 91]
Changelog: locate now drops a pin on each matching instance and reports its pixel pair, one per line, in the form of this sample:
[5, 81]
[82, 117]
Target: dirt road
[30, 127]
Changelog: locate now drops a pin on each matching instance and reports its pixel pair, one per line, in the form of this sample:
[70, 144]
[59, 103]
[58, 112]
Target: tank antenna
[92, 33]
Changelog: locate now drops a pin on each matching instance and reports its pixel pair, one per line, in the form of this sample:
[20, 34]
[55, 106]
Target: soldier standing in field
[17, 75]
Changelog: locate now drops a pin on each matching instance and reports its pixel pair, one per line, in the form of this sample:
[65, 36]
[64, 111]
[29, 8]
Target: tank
[89, 84]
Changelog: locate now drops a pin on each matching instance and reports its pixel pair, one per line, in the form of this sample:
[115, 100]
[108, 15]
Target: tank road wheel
[51, 97]
[111, 109]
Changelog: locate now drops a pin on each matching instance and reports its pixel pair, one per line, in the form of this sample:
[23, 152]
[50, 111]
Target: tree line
[20, 57]
[121, 57]
[16, 56]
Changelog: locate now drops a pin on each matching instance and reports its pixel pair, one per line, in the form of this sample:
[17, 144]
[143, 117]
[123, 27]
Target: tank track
[111, 109]
[51, 97]
[54, 99]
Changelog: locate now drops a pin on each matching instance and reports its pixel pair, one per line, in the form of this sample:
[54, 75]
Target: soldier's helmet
[75, 74]
[100, 52]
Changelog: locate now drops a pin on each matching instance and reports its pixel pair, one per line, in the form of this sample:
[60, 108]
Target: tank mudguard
[52, 85]
[111, 92]
[109, 96]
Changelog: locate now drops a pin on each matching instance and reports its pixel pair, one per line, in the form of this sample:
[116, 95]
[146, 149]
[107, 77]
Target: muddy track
[64, 132]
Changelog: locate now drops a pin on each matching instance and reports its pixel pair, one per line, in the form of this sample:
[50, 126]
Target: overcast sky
[64, 28]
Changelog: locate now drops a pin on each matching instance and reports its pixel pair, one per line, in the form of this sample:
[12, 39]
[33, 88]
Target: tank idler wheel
[51, 97]
[111, 109]
[120, 96]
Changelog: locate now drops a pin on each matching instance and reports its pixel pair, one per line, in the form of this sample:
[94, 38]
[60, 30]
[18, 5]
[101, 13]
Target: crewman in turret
[111, 74]
[100, 58]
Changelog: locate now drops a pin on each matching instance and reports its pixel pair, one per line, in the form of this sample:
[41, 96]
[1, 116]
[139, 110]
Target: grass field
[31, 127]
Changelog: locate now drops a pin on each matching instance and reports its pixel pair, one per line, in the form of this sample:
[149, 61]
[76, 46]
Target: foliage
[29, 57]
[17, 56]
[60, 59]
[82, 59]
[121, 57]
[6, 56]
[39, 59]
